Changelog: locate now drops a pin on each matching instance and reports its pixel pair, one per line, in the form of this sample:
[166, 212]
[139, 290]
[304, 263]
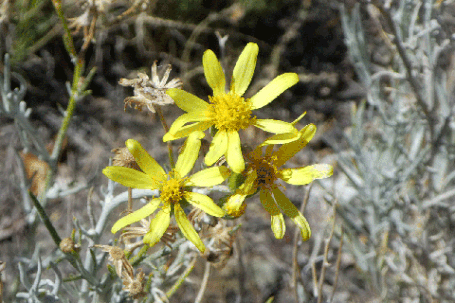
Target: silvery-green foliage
[397, 181]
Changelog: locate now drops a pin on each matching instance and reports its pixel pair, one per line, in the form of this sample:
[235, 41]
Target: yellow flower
[173, 190]
[263, 171]
[229, 112]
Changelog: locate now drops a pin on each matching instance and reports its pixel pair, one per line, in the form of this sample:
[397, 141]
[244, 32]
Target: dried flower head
[124, 158]
[118, 259]
[134, 285]
[220, 247]
[67, 245]
[150, 91]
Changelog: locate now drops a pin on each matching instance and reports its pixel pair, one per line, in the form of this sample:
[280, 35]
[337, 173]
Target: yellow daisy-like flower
[229, 112]
[173, 190]
[264, 170]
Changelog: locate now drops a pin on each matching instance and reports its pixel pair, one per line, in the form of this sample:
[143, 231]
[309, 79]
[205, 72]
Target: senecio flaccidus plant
[178, 195]
[227, 112]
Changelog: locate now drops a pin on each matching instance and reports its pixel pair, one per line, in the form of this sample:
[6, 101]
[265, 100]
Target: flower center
[231, 112]
[172, 189]
[266, 171]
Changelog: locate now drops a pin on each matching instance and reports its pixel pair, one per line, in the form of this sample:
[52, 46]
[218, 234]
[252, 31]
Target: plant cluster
[177, 197]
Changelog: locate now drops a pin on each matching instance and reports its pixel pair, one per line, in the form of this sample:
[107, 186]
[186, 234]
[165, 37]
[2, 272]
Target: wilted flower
[148, 92]
[134, 284]
[118, 259]
[124, 158]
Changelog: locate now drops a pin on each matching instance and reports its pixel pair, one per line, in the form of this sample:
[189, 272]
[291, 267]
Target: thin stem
[140, 255]
[295, 247]
[68, 38]
[45, 218]
[64, 128]
[325, 263]
[181, 279]
[166, 129]
[337, 266]
[205, 279]
[130, 200]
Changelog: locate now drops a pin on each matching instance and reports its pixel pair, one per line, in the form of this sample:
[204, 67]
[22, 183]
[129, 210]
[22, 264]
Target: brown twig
[295, 265]
[337, 266]
[166, 129]
[326, 264]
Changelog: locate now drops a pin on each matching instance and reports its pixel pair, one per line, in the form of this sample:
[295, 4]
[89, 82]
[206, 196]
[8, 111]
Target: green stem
[64, 128]
[140, 255]
[45, 218]
[67, 38]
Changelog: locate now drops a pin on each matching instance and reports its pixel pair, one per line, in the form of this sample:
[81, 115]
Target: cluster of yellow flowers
[227, 113]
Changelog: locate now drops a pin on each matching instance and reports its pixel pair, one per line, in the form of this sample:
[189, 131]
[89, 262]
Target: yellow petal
[214, 73]
[287, 151]
[179, 123]
[186, 101]
[275, 126]
[306, 175]
[281, 139]
[189, 154]
[278, 226]
[234, 206]
[144, 160]
[187, 229]
[298, 119]
[234, 156]
[187, 130]
[204, 202]
[292, 212]
[137, 215]
[158, 226]
[248, 187]
[130, 177]
[274, 89]
[244, 68]
[209, 177]
[217, 148]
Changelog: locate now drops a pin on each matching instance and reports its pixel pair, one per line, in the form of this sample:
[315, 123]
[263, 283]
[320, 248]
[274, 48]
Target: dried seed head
[134, 285]
[116, 253]
[124, 158]
[67, 245]
[148, 92]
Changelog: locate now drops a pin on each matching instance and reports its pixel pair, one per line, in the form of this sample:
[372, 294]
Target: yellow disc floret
[173, 189]
[231, 112]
